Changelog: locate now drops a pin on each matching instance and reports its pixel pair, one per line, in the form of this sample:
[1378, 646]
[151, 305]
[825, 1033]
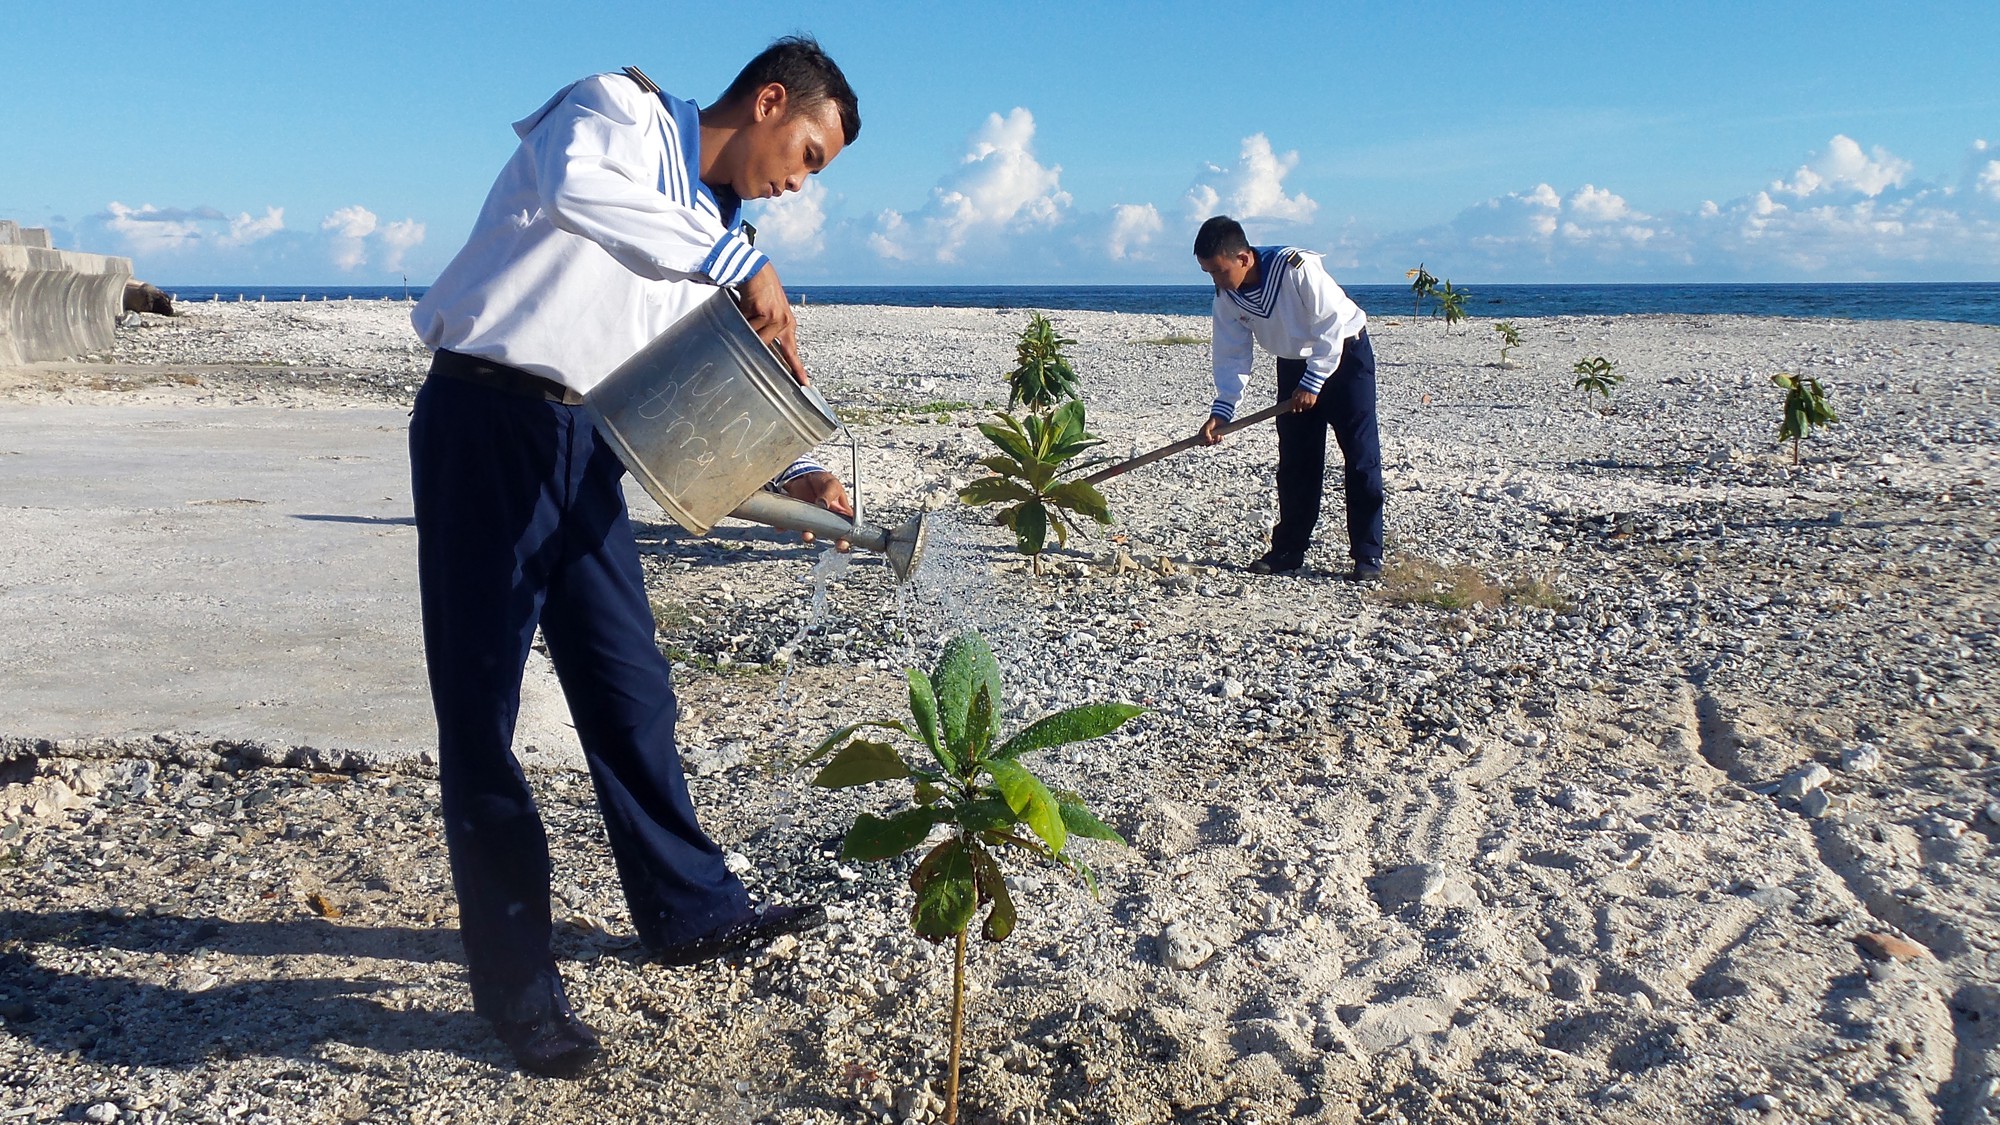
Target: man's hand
[1303, 401]
[1211, 431]
[769, 311]
[824, 489]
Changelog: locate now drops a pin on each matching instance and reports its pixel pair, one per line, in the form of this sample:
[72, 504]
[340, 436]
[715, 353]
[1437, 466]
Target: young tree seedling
[1033, 474]
[1451, 302]
[1510, 338]
[1596, 375]
[1042, 375]
[1422, 284]
[975, 785]
[1038, 453]
[1806, 408]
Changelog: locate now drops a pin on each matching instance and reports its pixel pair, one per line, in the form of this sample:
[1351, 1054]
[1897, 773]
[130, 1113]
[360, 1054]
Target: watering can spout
[902, 545]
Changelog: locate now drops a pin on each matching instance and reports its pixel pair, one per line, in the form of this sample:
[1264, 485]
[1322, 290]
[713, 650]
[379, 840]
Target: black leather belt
[500, 377]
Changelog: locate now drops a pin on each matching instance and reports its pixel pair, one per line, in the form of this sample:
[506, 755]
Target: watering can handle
[1165, 451]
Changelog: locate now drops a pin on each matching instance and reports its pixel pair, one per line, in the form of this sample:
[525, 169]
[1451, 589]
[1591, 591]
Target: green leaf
[1080, 821]
[877, 838]
[862, 762]
[1004, 466]
[982, 726]
[1069, 422]
[1079, 496]
[992, 884]
[947, 895]
[1009, 437]
[993, 490]
[928, 793]
[1031, 528]
[849, 729]
[965, 665]
[1030, 800]
[924, 709]
[987, 814]
[1078, 724]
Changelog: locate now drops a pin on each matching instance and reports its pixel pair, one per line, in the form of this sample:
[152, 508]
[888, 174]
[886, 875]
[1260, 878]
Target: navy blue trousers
[521, 522]
[1347, 407]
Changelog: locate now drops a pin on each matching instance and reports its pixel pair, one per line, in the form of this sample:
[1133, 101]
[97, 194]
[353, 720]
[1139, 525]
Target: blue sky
[1041, 143]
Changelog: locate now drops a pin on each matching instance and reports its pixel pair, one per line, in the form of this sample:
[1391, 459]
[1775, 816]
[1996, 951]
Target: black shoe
[1366, 570]
[559, 1046]
[1275, 563]
[741, 937]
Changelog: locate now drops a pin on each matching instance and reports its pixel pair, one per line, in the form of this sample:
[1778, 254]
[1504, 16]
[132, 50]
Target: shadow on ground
[119, 1021]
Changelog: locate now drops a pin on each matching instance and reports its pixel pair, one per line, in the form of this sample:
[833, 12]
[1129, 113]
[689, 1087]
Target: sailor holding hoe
[1281, 297]
[616, 216]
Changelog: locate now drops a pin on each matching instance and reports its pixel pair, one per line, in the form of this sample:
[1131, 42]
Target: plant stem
[957, 1030]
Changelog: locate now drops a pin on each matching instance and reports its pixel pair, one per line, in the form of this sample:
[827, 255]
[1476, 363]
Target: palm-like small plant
[1451, 302]
[1510, 338]
[1596, 375]
[1805, 408]
[1033, 474]
[1422, 284]
[975, 785]
[1042, 375]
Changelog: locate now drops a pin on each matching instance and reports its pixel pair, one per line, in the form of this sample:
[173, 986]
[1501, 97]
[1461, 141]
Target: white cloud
[1981, 179]
[1843, 167]
[350, 222]
[349, 227]
[1000, 186]
[398, 239]
[147, 229]
[793, 224]
[1843, 214]
[1253, 191]
[1133, 226]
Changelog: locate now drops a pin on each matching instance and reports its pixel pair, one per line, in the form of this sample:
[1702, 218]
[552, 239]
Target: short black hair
[1218, 236]
[801, 66]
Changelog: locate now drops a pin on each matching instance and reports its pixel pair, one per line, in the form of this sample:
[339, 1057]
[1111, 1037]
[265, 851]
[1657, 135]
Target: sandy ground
[1657, 782]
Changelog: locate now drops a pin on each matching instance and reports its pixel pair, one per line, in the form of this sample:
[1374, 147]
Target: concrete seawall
[55, 304]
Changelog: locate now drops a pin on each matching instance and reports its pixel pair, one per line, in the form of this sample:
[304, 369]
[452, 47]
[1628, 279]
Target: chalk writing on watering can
[695, 423]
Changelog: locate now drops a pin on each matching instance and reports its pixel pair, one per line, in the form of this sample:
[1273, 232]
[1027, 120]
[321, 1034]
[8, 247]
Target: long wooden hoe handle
[1165, 451]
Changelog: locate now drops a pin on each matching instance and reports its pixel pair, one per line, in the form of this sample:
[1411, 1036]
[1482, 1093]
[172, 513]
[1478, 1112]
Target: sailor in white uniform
[1282, 298]
[616, 216]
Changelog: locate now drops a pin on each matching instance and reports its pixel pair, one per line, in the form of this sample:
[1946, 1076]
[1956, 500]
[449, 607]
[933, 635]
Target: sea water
[1966, 302]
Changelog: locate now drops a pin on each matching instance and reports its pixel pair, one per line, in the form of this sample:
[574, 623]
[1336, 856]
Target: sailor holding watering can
[616, 216]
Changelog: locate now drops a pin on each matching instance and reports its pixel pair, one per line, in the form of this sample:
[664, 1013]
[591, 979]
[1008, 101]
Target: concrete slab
[239, 573]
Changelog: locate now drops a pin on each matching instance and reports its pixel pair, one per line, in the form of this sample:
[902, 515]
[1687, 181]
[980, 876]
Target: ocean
[1968, 302]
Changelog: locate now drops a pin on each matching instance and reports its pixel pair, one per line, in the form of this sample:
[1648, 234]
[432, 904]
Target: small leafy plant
[1034, 475]
[1422, 285]
[1596, 375]
[1042, 375]
[1451, 302]
[1510, 338]
[1805, 408]
[974, 784]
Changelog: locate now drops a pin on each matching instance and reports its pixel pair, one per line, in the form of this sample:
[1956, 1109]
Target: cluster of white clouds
[168, 241]
[1001, 213]
[998, 189]
[1847, 211]
[1003, 207]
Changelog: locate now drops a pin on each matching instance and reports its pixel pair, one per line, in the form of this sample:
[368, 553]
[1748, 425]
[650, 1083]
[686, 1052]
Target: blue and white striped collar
[1264, 297]
[684, 118]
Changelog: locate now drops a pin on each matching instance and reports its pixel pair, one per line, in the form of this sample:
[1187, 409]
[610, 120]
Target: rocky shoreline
[1656, 782]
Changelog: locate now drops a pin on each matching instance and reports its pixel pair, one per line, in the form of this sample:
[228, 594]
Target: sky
[1049, 143]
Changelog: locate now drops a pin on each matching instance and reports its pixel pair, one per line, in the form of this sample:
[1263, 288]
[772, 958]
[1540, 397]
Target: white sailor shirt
[1296, 311]
[597, 236]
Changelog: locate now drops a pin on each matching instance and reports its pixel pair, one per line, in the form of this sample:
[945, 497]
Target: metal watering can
[705, 415]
